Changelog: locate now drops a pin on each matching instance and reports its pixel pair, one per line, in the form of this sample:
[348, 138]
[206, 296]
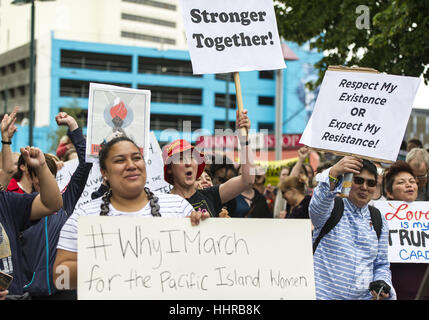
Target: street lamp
[288, 55]
[31, 94]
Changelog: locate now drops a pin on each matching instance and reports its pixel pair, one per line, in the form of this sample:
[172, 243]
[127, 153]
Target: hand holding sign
[243, 122]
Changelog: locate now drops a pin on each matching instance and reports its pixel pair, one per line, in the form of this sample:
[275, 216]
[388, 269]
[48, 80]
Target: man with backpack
[350, 238]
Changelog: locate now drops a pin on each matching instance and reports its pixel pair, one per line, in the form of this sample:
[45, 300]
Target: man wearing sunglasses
[351, 256]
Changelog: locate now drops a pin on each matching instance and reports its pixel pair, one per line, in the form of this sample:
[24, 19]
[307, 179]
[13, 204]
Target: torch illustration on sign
[118, 117]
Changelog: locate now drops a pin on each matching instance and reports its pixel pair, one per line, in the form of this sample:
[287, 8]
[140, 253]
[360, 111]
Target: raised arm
[8, 129]
[80, 176]
[234, 186]
[49, 199]
[303, 153]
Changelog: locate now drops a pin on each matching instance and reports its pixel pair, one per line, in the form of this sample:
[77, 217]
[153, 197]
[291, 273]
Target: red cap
[176, 147]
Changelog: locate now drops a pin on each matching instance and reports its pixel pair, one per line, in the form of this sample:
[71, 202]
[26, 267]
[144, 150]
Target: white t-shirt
[171, 205]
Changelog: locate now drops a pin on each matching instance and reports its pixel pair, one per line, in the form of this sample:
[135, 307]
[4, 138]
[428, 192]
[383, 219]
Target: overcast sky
[422, 98]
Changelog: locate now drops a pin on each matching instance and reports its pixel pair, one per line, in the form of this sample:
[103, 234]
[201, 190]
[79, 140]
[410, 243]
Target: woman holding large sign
[123, 168]
[401, 185]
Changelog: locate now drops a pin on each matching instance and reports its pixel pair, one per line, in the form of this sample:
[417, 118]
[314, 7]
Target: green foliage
[73, 109]
[395, 42]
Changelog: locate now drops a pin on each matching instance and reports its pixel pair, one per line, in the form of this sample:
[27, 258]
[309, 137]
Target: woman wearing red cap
[183, 164]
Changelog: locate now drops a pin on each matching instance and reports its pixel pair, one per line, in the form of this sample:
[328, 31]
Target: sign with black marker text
[232, 36]
[361, 113]
[168, 259]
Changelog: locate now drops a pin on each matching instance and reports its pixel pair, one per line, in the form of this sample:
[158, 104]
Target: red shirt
[14, 187]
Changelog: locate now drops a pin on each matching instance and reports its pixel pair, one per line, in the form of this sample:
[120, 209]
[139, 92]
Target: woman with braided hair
[123, 169]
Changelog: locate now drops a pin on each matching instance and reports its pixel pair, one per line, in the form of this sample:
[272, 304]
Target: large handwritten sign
[361, 113]
[167, 258]
[408, 230]
[228, 36]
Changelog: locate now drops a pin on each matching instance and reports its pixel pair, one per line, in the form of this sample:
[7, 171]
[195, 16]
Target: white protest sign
[116, 110]
[232, 36]
[154, 174]
[408, 230]
[168, 259]
[155, 168]
[361, 113]
[92, 183]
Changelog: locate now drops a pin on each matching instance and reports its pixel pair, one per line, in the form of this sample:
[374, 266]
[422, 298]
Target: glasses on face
[369, 182]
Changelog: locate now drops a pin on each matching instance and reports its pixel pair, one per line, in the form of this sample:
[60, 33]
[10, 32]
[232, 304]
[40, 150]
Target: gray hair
[419, 155]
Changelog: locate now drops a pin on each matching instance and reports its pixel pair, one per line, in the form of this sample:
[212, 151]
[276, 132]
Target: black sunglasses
[369, 182]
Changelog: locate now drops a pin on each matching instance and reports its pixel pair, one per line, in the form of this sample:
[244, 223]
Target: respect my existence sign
[167, 258]
[361, 113]
[229, 36]
[408, 230]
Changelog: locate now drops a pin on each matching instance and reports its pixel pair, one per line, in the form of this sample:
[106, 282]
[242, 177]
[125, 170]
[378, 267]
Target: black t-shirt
[15, 211]
[300, 211]
[207, 200]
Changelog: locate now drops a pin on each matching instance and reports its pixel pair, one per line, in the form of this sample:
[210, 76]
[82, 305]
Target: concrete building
[138, 44]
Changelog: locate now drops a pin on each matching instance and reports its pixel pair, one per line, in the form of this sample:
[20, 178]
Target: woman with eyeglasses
[401, 185]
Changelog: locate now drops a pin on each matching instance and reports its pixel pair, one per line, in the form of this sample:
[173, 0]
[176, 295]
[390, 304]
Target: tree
[387, 35]
[74, 109]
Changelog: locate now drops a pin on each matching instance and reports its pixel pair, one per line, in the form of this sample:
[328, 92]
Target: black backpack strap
[376, 220]
[336, 215]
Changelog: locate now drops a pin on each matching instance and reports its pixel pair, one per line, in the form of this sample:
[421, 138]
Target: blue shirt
[350, 256]
[15, 213]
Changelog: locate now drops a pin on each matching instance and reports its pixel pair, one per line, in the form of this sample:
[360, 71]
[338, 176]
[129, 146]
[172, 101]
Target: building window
[269, 74]
[153, 3]
[224, 76]
[80, 88]
[219, 124]
[266, 101]
[266, 126]
[177, 95]
[220, 100]
[21, 90]
[12, 67]
[133, 17]
[146, 37]
[95, 61]
[176, 122]
[166, 67]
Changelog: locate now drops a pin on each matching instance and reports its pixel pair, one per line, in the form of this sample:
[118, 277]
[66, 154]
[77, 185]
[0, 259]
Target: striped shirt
[350, 256]
[171, 205]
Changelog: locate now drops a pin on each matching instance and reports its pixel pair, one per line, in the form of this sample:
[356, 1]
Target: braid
[153, 200]
[105, 204]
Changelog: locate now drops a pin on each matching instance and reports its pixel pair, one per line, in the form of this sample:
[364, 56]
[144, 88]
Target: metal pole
[5, 99]
[279, 115]
[227, 100]
[32, 61]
